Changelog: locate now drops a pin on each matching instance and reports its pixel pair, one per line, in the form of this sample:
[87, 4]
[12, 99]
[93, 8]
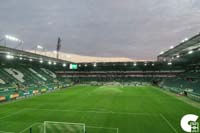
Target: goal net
[63, 127]
[55, 127]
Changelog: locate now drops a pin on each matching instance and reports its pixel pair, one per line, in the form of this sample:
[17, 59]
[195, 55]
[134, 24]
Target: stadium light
[153, 64]
[135, 64]
[177, 56]
[184, 40]
[49, 62]
[11, 38]
[171, 47]
[169, 63]
[41, 61]
[39, 47]
[190, 52]
[54, 63]
[95, 65]
[20, 58]
[30, 60]
[9, 56]
[85, 65]
[64, 65]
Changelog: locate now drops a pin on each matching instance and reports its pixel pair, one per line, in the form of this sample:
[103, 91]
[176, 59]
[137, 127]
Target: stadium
[84, 79]
[47, 94]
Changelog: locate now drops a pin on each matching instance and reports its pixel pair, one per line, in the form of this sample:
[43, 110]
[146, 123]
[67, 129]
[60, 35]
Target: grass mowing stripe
[93, 111]
[169, 123]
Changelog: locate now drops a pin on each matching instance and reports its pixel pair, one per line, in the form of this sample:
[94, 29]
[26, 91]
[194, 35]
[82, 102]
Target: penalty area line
[11, 114]
[106, 128]
[93, 111]
[169, 123]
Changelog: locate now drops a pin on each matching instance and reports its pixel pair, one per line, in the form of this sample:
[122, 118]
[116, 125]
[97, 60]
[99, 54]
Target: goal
[55, 127]
[66, 127]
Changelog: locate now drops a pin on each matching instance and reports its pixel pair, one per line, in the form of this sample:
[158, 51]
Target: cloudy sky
[137, 29]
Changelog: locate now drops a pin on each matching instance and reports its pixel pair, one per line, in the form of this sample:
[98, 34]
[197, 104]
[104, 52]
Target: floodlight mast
[58, 47]
[12, 38]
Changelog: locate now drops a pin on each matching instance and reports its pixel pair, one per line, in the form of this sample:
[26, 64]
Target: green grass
[130, 109]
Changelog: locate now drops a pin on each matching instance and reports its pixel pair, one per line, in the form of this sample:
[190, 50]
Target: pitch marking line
[117, 129]
[5, 132]
[92, 111]
[29, 127]
[169, 123]
[12, 114]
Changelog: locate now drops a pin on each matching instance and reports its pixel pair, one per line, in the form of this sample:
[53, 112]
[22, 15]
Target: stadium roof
[184, 47]
[86, 59]
[4, 51]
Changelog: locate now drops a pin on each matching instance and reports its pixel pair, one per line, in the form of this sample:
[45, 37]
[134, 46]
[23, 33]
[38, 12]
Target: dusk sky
[138, 29]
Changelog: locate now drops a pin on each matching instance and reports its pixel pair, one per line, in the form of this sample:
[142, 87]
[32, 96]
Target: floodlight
[169, 63]
[95, 65]
[171, 47]
[20, 58]
[135, 64]
[184, 40]
[85, 65]
[177, 56]
[30, 59]
[39, 47]
[9, 56]
[11, 38]
[64, 65]
[41, 61]
[190, 52]
[153, 64]
[54, 63]
[49, 62]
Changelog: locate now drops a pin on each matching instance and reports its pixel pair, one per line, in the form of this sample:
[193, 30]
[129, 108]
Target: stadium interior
[26, 74]
[23, 73]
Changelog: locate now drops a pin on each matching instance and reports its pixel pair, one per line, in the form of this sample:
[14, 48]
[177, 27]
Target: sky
[137, 29]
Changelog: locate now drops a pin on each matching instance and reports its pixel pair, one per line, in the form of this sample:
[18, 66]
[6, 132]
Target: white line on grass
[29, 127]
[169, 123]
[12, 114]
[5, 132]
[107, 128]
[92, 111]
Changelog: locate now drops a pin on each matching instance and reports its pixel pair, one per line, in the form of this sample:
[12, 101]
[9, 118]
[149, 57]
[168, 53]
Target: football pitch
[103, 109]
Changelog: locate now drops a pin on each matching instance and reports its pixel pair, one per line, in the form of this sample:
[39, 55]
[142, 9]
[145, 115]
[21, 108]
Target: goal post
[66, 127]
[63, 127]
